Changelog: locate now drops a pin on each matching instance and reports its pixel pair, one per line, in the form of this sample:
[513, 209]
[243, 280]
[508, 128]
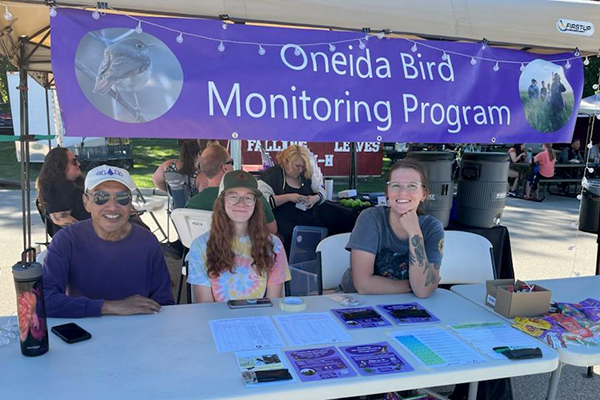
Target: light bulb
[221, 47]
[331, 47]
[7, 14]
[367, 37]
[414, 48]
[496, 67]
[586, 61]
[361, 45]
[179, 38]
[483, 46]
[591, 170]
[576, 52]
[52, 12]
[297, 50]
[96, 14]
[138, 28]
[473, 61]
[568, 64]
[261, 50]
[522, 67]
[578, 197]
[590, 145]
[444, 56]
[380, 35]
[595, 86]
[224, 26]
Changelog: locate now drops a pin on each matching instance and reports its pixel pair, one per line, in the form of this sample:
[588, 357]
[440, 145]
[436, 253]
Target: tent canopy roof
[528, 25]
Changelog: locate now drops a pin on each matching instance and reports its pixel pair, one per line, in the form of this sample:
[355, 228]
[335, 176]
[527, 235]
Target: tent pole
[24, 121]
[48, 118]
[352, 180]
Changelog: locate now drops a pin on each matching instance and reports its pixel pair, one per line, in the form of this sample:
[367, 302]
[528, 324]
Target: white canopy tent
[590, 105]
[531, 25]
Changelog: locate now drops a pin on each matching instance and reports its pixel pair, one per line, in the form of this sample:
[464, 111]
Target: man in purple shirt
[105, 265]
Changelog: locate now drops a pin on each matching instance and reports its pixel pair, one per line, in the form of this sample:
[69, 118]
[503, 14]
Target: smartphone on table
[71, 333]
[250, 303]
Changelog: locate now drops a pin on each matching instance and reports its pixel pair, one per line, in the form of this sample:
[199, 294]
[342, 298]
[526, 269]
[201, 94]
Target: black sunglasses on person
[101, 197]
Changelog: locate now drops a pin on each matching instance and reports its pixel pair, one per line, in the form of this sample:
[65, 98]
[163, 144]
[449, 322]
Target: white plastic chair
[335, 259]
[189, 224]
[468, 258]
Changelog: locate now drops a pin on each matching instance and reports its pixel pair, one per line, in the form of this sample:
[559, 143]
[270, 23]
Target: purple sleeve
[56, 275]
[160, 291]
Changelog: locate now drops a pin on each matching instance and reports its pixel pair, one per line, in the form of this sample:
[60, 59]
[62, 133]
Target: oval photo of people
[547, 96]
[128, 76]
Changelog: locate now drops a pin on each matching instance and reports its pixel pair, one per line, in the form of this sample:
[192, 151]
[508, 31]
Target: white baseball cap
[105, 173]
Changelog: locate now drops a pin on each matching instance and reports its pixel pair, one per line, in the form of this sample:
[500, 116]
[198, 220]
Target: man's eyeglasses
[230, 162]
[234, 199]
[410, 187]
[75, 161]
[100, 197]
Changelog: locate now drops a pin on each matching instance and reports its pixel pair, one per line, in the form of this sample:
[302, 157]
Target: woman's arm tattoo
[419, 258]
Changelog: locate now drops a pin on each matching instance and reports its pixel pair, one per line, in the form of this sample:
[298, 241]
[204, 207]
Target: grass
[147, 155]
[150, 153]
[538, 113]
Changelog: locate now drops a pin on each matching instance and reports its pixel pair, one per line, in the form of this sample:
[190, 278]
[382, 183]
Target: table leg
[554, 378]
[473, 391]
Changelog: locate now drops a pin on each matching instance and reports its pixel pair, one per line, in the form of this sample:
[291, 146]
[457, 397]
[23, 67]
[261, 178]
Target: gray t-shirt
[373, 234]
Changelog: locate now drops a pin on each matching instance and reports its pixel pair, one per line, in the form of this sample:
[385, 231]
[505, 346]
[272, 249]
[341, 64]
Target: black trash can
[438, 166]
[482, 189]
[590, 206]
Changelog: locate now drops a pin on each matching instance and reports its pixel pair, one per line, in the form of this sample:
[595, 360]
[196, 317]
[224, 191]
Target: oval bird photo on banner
[128, 76]
[547, 96]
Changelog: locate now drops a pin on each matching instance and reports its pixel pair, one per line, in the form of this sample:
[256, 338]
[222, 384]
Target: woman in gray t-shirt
[394, 249]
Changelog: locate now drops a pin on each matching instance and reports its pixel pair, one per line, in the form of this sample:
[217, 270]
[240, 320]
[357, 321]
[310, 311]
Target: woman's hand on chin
[409, 221]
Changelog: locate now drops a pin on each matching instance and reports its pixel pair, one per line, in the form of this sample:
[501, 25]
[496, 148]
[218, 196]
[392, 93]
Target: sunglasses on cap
[101, 197]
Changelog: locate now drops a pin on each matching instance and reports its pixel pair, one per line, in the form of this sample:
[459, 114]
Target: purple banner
[188, 78]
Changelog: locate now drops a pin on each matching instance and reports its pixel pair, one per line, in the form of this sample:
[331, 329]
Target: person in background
[594, 154]
[572, 152]
[533, 91]
[517, 154]
[187, 165]
[543, 91]
[106, 264]
[397, 249]
[215, 162]
[60, 189]
[544, 166]
[289, 184]
[238, 258]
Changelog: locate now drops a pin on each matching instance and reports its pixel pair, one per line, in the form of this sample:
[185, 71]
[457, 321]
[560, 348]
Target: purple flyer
[376, 359]
[319, 364]
[408, 313]
[360, 317]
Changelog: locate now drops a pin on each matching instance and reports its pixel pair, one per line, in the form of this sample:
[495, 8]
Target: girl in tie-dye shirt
[238, 258]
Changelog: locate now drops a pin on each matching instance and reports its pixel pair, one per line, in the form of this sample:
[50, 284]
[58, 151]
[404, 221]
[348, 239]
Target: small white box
[345, 194]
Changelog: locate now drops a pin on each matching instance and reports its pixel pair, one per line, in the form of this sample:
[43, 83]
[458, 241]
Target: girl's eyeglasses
[100, 197]
[410, 187]
[233, 199]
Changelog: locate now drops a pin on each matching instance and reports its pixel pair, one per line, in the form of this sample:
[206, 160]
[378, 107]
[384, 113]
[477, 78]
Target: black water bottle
[31, 310]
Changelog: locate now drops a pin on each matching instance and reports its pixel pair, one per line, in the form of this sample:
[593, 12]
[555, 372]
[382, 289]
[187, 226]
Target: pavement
[545, 244]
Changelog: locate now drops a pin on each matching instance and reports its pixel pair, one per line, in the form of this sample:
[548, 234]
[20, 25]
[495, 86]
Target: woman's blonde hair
[291, 153]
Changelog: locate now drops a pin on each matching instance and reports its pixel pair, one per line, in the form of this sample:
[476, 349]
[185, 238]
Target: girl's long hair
[549, 150]
[54, 171]
[219, 249]
[189, 151]
[518, 149]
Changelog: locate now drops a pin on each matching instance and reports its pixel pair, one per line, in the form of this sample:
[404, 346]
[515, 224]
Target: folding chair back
[335, 259]
[468, 258]
[190, 223]
[178, 189]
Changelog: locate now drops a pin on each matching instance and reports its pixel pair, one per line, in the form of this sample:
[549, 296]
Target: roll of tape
[292, 304]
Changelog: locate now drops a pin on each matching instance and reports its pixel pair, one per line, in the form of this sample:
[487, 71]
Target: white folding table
[172, 355]
[570, 290]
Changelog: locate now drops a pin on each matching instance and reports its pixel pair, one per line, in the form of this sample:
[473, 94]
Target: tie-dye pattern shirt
[244, 283]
